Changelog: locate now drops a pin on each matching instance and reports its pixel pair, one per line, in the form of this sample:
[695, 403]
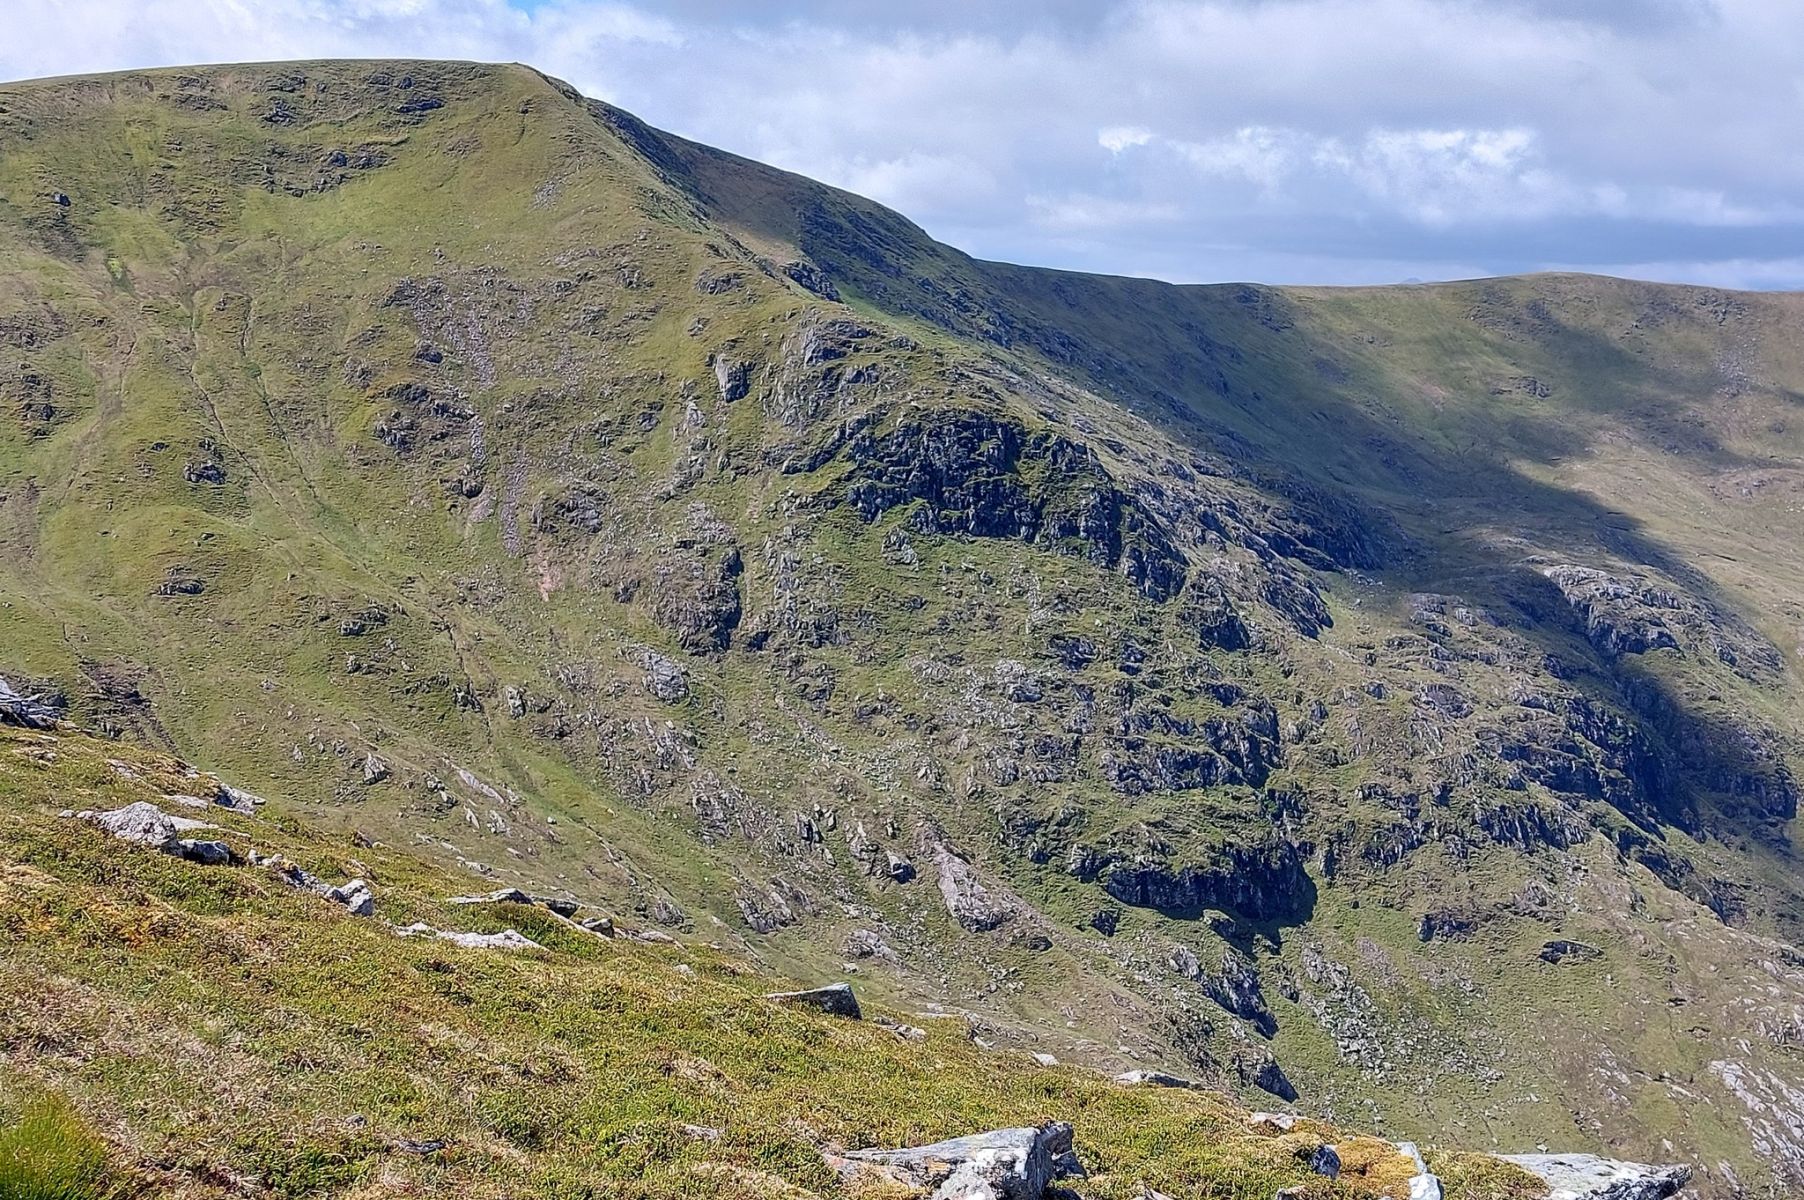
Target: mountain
[1386, 699]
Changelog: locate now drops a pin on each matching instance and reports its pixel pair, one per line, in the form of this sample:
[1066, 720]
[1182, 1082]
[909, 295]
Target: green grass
[235, 1029]
[48, 1152]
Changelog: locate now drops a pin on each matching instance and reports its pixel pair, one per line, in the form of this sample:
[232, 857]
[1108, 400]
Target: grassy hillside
[222, 1033]
[1386, 698]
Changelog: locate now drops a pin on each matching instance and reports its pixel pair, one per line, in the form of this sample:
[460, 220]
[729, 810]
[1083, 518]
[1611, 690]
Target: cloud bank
[1320, 141]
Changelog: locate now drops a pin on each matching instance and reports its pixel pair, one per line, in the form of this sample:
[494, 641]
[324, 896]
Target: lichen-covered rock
[143, 823]
[1588, 1177]
[971, 904]
[507, 939]
[835, 999]
[1004, 1164]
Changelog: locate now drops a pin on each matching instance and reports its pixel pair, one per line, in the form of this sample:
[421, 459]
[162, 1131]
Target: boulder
[1004, 1164]
[197, 850]
[903, 1031]
[1561, 950]
[836, 999]
[237, 799]
[507, 939]
[1588, 1177]
[664, 678]
[355, 896]
[143, 823]
[1152, 1079]
[971, 904]
[501, 896]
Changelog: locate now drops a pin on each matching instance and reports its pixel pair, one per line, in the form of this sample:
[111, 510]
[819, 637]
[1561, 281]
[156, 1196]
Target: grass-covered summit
[1381, 698]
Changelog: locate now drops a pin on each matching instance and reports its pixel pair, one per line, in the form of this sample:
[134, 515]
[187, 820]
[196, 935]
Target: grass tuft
[49, 1152]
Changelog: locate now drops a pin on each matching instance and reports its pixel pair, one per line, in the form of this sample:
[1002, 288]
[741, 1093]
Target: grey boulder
[1588, 1177]
[836, 999]
[1004, 1164]
[1151, 1079]
[144, 824]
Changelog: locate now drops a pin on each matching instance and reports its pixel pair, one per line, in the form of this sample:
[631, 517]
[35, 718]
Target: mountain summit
[1385, 700]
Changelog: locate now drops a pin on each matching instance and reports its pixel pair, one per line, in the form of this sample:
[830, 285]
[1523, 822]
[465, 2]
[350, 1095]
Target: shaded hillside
[1385, 699]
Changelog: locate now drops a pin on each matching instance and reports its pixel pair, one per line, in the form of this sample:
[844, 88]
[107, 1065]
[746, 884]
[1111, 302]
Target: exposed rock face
[971, 904]
[835, 999]
[1635, 614]
[1265, 882]
[1005, 1164]
[1588, 1177]
[29, 711]
[1236, 988]
[732, 378]
[964, 469]
[1260, 1069]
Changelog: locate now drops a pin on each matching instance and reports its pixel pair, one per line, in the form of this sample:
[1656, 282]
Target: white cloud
[1117, 138]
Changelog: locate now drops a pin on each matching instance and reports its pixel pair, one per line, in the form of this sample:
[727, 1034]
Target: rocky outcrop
[1004, 1164]
[1623, 613]
[968, 472]
[1258, 1068]
[1238, 748]
[972, 905]
[835, 999]
[1562, 950]
[354, 895]
[34, 711]
[664, 678]
[1149, 1078]
[144, 824]
[1236, 989]
[1423, 1185]
[1262, 882]
[507, 939]
[1588, 1177]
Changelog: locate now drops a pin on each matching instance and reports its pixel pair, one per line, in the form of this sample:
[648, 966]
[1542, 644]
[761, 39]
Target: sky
[1284, 141]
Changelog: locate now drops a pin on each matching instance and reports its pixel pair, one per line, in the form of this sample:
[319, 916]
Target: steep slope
[1385, 697]
[235, 1034]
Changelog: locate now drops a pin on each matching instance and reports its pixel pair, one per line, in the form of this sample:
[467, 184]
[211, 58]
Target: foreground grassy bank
[208, 1030]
